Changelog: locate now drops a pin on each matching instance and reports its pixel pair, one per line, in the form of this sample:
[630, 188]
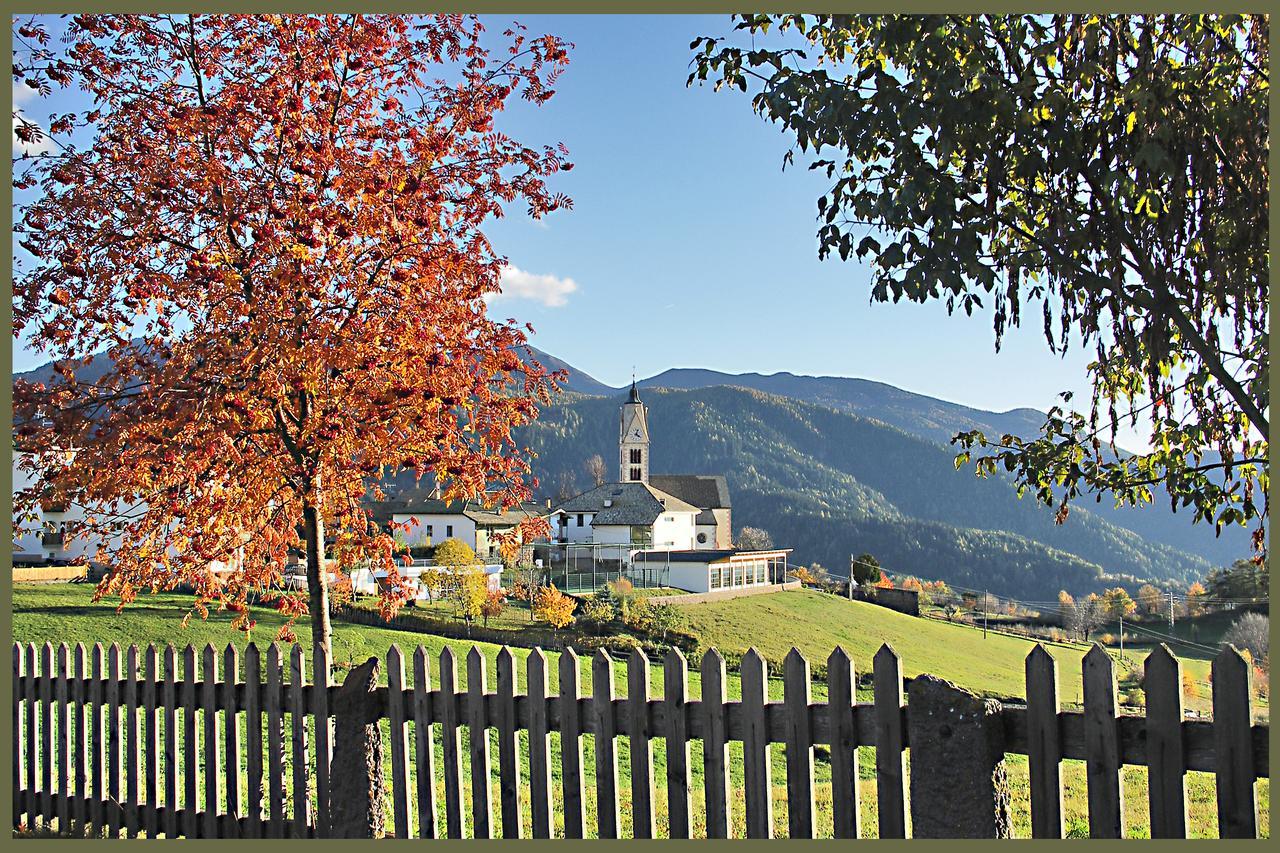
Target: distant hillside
[830, 484]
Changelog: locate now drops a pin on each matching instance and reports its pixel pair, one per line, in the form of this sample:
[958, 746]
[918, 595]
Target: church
[678, 527]
[678, 512]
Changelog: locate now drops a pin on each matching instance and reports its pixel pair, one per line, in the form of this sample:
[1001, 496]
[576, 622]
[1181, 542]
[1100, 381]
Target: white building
[434, 520]
[634, 514]
[712, 571]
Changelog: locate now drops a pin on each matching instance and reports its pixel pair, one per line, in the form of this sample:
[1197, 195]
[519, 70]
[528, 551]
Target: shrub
[1136, 697]
[493, 605]
[638, 615]
[666, 619]
[471, 594]
[455, 553]
[598, 609]
[1107, 640]
[553, 606]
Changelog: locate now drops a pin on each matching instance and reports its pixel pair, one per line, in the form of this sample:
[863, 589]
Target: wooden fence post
[1103, 767]
[675, 693]
[756, 760]
[1233, 748]
[1044, 744]
[845, 801]
[357, 792]
[715, 745]
[959, 783]
[891, 776]
[1166, 755]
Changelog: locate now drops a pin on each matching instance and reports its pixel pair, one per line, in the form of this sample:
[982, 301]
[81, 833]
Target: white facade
[44, 538]
[674, 530]
[434, 528]
[738, 571]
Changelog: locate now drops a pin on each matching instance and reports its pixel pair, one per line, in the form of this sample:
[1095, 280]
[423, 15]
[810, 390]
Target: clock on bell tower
[633, 440]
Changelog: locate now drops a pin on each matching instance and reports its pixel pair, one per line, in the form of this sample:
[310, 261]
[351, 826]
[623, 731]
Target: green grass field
[64, 613]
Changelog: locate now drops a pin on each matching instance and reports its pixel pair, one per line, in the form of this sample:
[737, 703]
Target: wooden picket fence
[119, 742]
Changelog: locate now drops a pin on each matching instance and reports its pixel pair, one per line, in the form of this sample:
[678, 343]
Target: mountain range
[832, 466]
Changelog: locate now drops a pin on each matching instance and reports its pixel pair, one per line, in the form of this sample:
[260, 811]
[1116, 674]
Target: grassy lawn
[64, 613]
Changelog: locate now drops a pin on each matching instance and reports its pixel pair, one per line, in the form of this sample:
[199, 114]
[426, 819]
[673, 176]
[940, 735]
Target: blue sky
[688, 246]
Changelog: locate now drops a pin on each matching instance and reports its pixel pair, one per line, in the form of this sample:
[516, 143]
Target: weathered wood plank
[82, 747]
[715, 744]
[231, 736]
[115, 742]
[799, 746]
[571, 727]
[1103, 769]
[61, 695]
[253, 744]
[539, 745]
[451, 737]
[1166, 764]
[607, 816]
[33, 734]
[891, 776]
[151, 751]
[323, 725]
[133, 744]
[212, 753]
[424, 741]
[1236, 788]
[400, 805]
[169, 693]
[275, 782]
[508, 746]
[841, 699]
[97, 757]
[47, 727]
[675, 695]
[478, 740]
[298, 719]
[757, 765]
[190, 745]
[18, 736]
[1044, 744]
[641, 749]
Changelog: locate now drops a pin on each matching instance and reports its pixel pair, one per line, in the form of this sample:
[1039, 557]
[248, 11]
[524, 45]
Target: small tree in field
[554, 607]
[494, 603]
[470, 592]
[596, 470]
[273, 230]
[1150, 599]
[753, 539]
[1251, 632]
[1117, 603]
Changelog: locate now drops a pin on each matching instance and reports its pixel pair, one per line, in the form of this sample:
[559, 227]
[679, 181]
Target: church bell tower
[633, 440]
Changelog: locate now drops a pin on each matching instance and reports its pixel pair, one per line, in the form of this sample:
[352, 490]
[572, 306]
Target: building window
[715, 577]
[430, 530]
[635, 474]
[635, 455]
[448, 531]
[641, 535]
[579, 519]
[702, 538]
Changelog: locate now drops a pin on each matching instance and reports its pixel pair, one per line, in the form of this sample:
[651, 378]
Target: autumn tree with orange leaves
[274, 230]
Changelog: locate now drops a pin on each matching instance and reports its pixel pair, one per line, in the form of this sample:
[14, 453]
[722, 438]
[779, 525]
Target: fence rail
[116, 741]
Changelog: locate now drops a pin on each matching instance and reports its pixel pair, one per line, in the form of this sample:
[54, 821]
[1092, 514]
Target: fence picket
[756, 764]
[253, 741]
[451, 742]
[212, 757]
[79, 812]
[33, 733]
[151, 749]
[571, 780]
[1166, 760]
[46, 732]
[675, 695]
[1102, 746]
[478, 739]
[715, 745]
[133, 742]
[63, 786]
[1044, 744]
[425, 743]
[115, 745]
[98, 755]
[508, 746]
[1236, 792]
[231, 736]
[190, 746]
[273, 700]
[891, 775]
[607, 820]
[170, 696]
[799, 746]
[643, 825]
[17, 736]
[298, 719]
[401, 805]
[846, 810]
[539, 745]
[323, 726]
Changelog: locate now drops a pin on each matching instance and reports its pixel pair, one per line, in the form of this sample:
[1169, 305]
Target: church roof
[629, 503]
[421, 502]
[705, 491]
[635, 393]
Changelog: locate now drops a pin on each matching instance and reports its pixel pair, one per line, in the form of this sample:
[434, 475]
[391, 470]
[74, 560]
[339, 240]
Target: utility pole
[984, 614]
[1121, 638]
[852, 560]
[1170, 611]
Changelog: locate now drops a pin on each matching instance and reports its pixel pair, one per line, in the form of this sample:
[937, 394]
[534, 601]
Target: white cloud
[552, 291]
[24, 94]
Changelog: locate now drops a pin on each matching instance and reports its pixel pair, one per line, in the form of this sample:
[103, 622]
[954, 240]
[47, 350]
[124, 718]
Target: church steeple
[633, 439]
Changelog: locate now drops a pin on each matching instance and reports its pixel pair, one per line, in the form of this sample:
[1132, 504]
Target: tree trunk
[317, 576]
